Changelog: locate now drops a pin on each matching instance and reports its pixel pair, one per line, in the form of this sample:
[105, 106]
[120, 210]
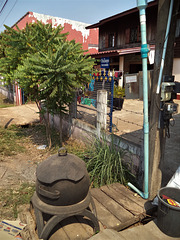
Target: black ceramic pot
[62, 180]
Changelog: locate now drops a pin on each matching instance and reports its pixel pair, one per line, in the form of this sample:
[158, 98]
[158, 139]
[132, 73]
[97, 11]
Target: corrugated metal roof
[119, 52]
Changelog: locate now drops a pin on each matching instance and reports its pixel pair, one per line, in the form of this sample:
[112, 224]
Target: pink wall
[88, 38]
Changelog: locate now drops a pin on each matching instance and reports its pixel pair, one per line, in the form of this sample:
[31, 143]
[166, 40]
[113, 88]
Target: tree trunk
[158, 135]
[60, 129]
[38, 104]
[48, 131]
[47, 124]
[72, 113]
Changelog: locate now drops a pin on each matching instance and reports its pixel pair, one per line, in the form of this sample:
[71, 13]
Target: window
[133, 35]
[177, 34]
[111, 40]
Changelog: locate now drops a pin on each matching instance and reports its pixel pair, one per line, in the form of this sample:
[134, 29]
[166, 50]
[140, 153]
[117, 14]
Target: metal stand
[59, 213]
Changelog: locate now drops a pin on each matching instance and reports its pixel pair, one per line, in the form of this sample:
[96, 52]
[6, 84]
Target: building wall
[176, 67]
[126, 30]
[130, 60]
[87, 37]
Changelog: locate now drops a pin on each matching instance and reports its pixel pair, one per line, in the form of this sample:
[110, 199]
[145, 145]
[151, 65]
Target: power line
[3, 6]
[9, 12]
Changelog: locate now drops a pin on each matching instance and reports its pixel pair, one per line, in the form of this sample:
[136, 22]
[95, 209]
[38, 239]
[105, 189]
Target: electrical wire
[3, 6]
[9, 12]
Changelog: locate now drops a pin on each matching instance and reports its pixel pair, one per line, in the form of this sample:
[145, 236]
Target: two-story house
[77, 30]
[120, 40]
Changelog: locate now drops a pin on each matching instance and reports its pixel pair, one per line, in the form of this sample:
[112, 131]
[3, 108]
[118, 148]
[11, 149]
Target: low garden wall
[85, 132]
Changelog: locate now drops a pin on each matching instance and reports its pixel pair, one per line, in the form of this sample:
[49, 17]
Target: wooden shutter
[127, 35]
[138, 34]
[106, 41]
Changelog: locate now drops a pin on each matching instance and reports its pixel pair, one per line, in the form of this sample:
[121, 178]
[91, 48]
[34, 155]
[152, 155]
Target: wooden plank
[123, 200]
[128, 223]
[73, 229]
[117, 210]
[84, 222]
[148, 207]
[58, 233]
[88, 225]
[130, 194]
[105, 217]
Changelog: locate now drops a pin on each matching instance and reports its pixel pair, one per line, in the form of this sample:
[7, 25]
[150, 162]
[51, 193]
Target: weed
[14, 138]
[105, 164]
[76, 147]
[12, 198]
[10, 141]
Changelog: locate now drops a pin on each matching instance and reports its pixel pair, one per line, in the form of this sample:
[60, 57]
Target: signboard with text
[105, 62]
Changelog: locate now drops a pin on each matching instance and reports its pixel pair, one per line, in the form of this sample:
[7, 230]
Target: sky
[87, 11]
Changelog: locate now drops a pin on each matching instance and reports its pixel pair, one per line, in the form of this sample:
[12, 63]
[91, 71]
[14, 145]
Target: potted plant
[118, 97]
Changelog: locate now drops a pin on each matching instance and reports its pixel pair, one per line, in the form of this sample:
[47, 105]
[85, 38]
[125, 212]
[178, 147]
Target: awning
[119, 52]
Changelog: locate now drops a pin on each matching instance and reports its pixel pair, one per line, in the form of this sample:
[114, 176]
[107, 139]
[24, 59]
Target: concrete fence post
[101, 111]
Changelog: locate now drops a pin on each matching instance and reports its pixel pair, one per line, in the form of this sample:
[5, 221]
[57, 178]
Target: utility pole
[158, 135]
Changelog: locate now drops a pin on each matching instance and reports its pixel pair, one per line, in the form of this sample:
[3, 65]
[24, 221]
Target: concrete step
[108, 234]
[149, 231]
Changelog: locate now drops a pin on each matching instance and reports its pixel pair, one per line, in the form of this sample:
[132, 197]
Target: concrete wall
[85, 132]
[8, 94]
[133, 153]
[176, 69]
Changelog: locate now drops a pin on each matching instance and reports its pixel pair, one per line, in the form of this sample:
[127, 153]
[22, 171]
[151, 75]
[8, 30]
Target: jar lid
[61, 167]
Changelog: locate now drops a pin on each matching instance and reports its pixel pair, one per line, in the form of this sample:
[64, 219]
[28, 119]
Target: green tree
[47, 66]
[56, 75]
[16, 44]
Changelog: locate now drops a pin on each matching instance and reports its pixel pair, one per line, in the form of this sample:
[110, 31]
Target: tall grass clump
[105, 164]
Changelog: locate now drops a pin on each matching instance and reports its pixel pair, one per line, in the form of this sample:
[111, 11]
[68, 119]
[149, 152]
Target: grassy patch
[37, 134]
[14, 138]
[76, 147]
[12, 198]
[10, 141]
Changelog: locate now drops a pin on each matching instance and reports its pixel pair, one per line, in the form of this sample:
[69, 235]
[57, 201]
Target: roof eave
[21, 19]
[120, 52]
[119, 15]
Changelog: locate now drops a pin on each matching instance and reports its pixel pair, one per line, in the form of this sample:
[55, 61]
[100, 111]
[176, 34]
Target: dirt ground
[19, 115]
[20, 168]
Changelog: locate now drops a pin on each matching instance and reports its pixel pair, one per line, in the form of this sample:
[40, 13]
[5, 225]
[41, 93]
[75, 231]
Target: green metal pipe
[141, 4]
